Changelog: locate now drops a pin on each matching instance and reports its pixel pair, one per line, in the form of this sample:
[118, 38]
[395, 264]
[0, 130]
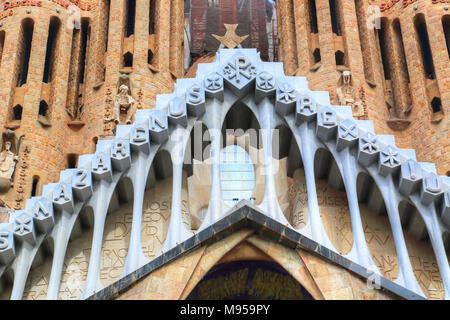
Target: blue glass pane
[237, 174]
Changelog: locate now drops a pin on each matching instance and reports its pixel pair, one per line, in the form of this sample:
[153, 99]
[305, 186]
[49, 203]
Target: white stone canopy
[274, 99]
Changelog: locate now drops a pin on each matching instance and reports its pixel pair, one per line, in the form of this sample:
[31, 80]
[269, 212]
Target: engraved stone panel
[425, 267]
[116, 241]
[156, 215]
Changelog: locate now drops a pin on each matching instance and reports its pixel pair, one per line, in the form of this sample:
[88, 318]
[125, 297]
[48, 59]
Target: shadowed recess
[116, 235]
[377, 228]
[420, 251]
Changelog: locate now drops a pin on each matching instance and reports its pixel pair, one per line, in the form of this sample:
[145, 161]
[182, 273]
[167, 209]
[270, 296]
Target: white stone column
[100, 202]
[177, 232]
[391, 200]
[270, 201]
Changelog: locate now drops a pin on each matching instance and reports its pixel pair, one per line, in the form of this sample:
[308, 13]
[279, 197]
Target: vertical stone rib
[177, 232]
[287, 36]
[366, 47]
[441, 62]
[267, 123]
[8, 70]
[302, 36]
[100, 203]
[162, 54]
[35, 73]
[360, 251]
[325, 35]
[307, 151]
[60, 75]
[351, 40]
[135, 257]
[433, 225]
[176, 38]
[21, 268]
[413, 54]
[214, 124]
[115, 41]
[74, 70]
[61, 240]
[141, 35]
[398, 78]
[391, 199]
[99, 35]
[2, 43]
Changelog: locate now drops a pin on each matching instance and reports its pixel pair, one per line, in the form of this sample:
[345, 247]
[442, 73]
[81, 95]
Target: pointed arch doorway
[246, 273]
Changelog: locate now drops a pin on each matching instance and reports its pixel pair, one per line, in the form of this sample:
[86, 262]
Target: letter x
[346, 131]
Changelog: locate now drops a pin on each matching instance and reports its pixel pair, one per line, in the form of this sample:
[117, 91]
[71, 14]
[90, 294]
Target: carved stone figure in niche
[348, 95]
[75, 113]
[7, 160]
[389, 97]
[124, 103]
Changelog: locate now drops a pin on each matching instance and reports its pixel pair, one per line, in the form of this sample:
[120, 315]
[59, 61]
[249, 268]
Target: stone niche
[8, 160]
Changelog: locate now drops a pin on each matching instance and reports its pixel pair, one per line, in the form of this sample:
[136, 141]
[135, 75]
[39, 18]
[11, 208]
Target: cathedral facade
[295, 121]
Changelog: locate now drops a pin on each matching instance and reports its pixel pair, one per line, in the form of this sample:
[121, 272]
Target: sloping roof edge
[244, 215]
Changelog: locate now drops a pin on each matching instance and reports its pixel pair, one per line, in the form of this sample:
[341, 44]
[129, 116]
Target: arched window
[72, 161]
[128, 59]
[446, 27]
[77, 68]
[436, 105]
[17, 112]
[237, 175]
[34, 187]
[335, 19]
[340, 58]
[107, 9]
[2, 44]
[313, 16]
[364, 41]
[53, 30]
[43, 108]
[317, 56]
[131, 15]
[152, 17]
[85, 35]
[150, 57]
[383, 40]
[399, 42]
[25, 51]
[424, 42]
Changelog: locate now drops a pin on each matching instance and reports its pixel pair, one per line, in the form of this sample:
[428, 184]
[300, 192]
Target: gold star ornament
[230, 40]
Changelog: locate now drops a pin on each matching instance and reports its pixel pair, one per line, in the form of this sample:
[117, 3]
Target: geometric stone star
[230, 40]
[389, 161]
[368, 149]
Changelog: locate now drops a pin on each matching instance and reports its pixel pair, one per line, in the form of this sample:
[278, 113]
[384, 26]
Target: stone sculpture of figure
[123, 105]
[7, 161]
[348, 95]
